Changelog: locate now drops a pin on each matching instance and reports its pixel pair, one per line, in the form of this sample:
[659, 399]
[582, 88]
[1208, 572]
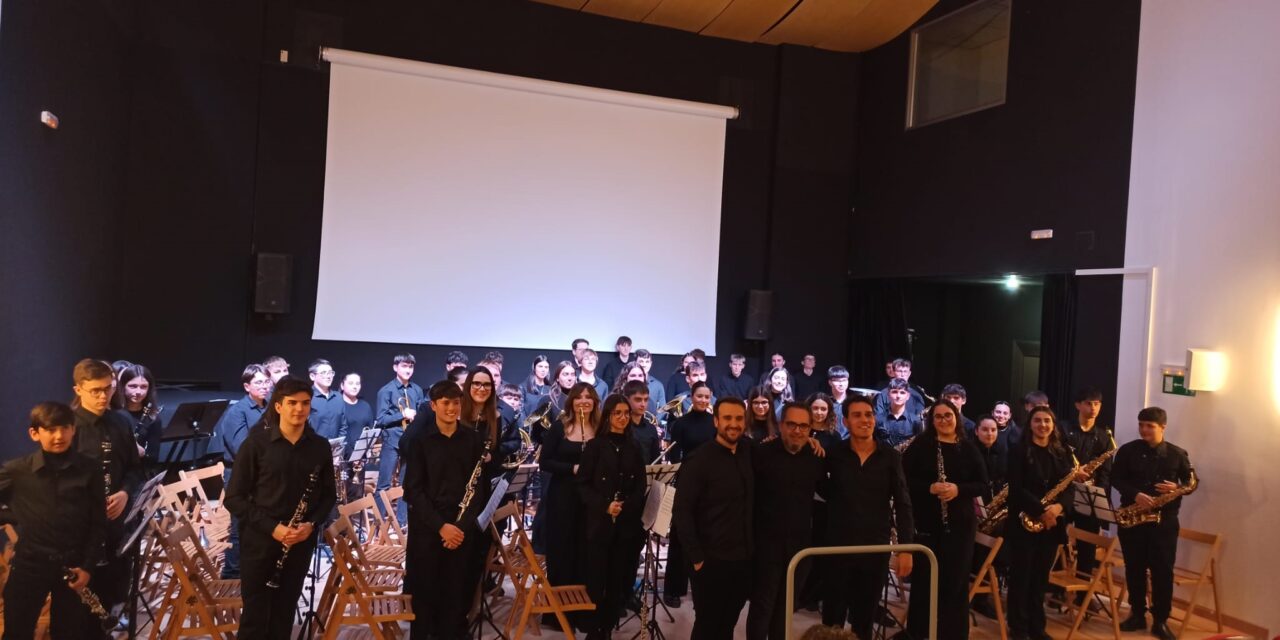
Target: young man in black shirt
[808, 380]
[277, 466]
[787, 474]
[1088, 440]
[106, 437]
[397, 406]
[622, 355]
[644, 430]
[956, 394]
[735, 383]
[866, 492]
[714, 516]
[1145, 470]
[896, 424]
[54, 497]
[440, 463]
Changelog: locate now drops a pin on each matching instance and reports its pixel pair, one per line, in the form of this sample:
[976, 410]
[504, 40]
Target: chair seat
[572, 597]
[384, 554]
[224, 589]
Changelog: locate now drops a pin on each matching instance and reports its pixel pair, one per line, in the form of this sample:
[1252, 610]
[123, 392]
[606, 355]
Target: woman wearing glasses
[762, 423]
[944, 474]
[611, 485]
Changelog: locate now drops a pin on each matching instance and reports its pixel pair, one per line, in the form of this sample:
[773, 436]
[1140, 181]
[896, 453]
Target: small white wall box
[1207, 370]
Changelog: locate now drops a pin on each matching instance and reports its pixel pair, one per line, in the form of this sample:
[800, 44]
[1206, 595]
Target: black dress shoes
[672, 601]
[1160, 629]
[1135, 622]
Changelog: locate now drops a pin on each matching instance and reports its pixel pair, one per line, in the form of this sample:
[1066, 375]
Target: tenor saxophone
[997, 513]
[1134, 515]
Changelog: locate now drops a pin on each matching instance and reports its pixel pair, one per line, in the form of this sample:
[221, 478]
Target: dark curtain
[877, 326]
[1057, 340]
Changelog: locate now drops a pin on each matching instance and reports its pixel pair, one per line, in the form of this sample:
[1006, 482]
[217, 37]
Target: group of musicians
[761, 477]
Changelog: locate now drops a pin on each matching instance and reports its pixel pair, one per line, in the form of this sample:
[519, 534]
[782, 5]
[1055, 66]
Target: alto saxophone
[1035, 526]
[1134, 515]
[997, 513]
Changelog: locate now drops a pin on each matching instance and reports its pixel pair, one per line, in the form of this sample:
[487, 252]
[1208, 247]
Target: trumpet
[404, 403]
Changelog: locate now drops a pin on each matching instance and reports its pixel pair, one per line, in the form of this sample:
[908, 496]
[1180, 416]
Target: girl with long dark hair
[762, 422]
[136, 397]
[562, 448]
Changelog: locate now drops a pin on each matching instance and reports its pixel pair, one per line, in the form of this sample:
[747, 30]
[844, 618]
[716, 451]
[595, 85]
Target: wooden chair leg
[995, 599]
[1213, 582]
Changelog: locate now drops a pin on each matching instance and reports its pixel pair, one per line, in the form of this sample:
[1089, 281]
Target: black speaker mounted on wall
[759, 310]
[273, 283]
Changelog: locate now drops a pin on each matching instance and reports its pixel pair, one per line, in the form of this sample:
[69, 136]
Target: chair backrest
[365, 511]
[205, 473]
[1106, 548]
[390, 530]
[182, 499]
[1211, 540]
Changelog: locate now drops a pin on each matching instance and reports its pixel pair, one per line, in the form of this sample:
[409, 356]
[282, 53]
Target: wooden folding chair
[372, 552]
[986, 581]
[349, 597]
[195, 605]
[392, 531]
[536, 595]
[207, 473]
[1196, 578]
[1099, 582]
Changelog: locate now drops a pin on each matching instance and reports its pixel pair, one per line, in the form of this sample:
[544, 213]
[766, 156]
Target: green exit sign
[1175, 383]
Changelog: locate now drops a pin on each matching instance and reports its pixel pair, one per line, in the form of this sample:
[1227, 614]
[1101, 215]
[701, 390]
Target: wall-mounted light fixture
[1011, 282]
[1207, 370]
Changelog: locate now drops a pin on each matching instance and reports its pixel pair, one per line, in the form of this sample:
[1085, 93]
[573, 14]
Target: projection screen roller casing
[476, 209]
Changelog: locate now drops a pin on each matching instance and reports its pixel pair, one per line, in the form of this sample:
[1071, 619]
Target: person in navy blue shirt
[328, 414]
[398, 402]
[230, 433]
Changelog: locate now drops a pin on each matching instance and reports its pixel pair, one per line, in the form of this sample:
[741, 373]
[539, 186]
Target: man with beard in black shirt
[787, 474]
[714, 516]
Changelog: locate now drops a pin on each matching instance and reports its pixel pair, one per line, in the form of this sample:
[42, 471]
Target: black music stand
[190, 422]
[147, 502]
[1093, 501]
[657, 523]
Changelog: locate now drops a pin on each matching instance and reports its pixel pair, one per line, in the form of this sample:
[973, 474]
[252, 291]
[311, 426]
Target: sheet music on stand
[1094, 501]
[495, 498]
[363, 444]
[148, 501]
[663, 473]
[520, 478]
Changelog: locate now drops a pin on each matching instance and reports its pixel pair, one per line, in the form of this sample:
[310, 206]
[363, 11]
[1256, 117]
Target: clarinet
[617, 497]
[942, 477]
[90, 599]
[472, 483]
[106, 489]
[298, 513]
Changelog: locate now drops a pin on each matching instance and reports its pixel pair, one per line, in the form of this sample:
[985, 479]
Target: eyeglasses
[482, 385]
[324, 374]
[260, 383]
[944, 417]
[98, 392]
[795, 426]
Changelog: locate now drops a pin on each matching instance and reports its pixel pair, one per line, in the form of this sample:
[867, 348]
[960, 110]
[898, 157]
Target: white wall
[1204, 209]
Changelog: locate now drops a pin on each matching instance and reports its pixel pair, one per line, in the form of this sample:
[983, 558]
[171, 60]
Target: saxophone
[470, 493]
[1035, 526]
[1134, 515]
[997, 513]
[902, 446]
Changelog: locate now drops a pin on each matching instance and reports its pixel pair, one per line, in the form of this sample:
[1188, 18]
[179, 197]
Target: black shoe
[1135, 622]
[671, 601]
[809, 605]
[1039, 636]
[1160, 629]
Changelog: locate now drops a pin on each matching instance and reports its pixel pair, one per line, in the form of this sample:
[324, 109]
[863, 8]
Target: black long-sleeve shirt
[271, 475]
[146, 435]
[1033, 471]
[58, 506]
[996, 460]
[785, 483]
[964, 468]
[359, 416]
[1139, 467]
[123, 464]
[439, 468]
[738, 387]
[1088, 445]
[647, 436]
[714, 504]
[391, 397]
[689, 432]
[612, 464]
[894, 430]
[328, 414]
[866, 499]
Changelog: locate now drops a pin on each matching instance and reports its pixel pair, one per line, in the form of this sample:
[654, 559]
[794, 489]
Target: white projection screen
[477, 209]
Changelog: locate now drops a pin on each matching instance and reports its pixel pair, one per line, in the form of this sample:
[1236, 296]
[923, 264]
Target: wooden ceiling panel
[813, 20]
[689, 15]
[748, 19]
[633, 10]
[879, 23]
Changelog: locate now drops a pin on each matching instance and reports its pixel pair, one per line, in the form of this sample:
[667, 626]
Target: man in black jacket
[713, 514]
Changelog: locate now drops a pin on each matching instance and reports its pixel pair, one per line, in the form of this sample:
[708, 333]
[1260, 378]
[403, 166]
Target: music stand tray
[1093, 501]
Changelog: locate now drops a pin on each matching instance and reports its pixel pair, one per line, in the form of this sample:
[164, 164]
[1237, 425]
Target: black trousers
[268, 613]
[612, 558]
[30, 580]
[1030, 559]
[766, 618]
[855, 585]
[443, 584]
[1150, 547]
[720, 590]
[1086, 553]
[955, 554]
[676, 580]
[811, 589]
